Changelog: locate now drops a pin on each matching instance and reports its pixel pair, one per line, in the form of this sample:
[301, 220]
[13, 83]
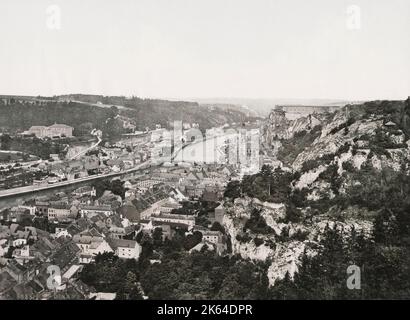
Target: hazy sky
[207, 48]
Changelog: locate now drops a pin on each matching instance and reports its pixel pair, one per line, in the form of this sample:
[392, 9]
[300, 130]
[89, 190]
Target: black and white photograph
[213, 150]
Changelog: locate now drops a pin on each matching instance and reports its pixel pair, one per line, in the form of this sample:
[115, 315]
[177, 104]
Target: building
[194, 191]
[187, 220]
[126, 249]
[56, 130]
[219, 213]
[59, 211]
[116, 232]
[85, 191]
[212, 236]
[90, 246]
[147, 183]
[42, 207]
[89, 211]
[30, 209]
[20, 273]
[170, 205]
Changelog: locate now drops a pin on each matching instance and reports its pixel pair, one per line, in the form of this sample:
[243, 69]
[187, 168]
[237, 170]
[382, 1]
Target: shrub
[258, 242]
[348, 166]
[257, 224]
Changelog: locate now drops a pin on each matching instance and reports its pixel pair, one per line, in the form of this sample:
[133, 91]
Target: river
[210, 150]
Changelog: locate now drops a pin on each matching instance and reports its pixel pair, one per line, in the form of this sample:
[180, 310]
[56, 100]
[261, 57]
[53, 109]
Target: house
[71, 272]
[54, 156]
[7, 282]
[18, 214]
[212, 236]
[59, 211]
[103, 296]
[90, 211]
[109, 199]
[200, 246]
[116, 232]
[168, 228]
[42, 207]
[146, 208]
[214, 239]
[85, 191]
[219, 213]
[147, 183]
[18, 237]
[90, 246]
[31, 209]
[146, 224]
[186, 220]
[43, 249]
[99, 224]
[78, 226]
[20, 273]
[193, 177]
[115, 221]
[126, 249]
[61, 232]
[390, 124]
[210, 195]
[194, 191]
[170, 205]
[178, 195]
[66, 255]
[35, 233]
[22, 254]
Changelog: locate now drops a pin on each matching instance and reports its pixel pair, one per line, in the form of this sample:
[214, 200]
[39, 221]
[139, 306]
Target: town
[102, 198]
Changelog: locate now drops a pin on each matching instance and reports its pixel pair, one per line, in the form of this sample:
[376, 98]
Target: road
[29, 189]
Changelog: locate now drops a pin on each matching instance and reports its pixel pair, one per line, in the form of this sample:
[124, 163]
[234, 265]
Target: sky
[207, 48]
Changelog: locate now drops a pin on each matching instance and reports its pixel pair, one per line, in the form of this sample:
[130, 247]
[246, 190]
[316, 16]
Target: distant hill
[82, 111]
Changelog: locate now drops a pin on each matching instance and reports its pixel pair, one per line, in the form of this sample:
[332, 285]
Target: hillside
[344, 199]
[149, 112]
[84, 112]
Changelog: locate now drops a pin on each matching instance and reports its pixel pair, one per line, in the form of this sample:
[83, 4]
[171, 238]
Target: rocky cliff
[286, 244]
[356, 153]
[278, 126]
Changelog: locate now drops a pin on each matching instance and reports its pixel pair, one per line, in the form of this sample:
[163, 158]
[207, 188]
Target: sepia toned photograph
[184, 150]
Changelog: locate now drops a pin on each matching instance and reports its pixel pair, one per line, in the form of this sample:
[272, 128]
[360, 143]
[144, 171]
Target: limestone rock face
[278, 126]
[284, 256]
[352, 142]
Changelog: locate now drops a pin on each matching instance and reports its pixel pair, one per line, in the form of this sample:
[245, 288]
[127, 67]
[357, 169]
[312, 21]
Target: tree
[130, 282]
[192, 240]
[233, 190]
[5, 141]
[216, 226]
